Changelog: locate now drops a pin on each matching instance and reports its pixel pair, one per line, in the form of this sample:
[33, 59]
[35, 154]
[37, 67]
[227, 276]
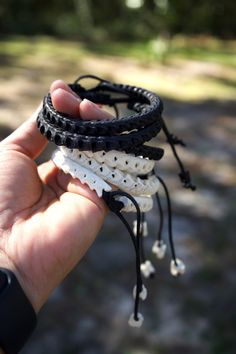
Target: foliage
[102, 19]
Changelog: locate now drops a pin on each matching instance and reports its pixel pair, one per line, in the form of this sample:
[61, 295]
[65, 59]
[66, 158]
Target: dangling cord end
[186, 180]
[136, 319]
[142, 250]
[147, 269]
[159, 247]
[143, 226]
[173, 140]
[177, 267]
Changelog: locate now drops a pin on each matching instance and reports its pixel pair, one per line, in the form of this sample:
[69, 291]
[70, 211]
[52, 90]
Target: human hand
[48, 220]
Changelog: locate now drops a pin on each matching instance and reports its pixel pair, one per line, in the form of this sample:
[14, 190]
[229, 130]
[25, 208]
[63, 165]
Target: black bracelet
[124, 134]
[147, 105]
[17, 316]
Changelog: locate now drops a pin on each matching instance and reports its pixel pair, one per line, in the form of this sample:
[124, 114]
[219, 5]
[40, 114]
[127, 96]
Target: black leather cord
[115, 206]
[169, 208]
[161, 214]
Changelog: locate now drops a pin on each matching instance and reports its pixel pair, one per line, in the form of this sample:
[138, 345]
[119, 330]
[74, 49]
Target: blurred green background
[186, 52]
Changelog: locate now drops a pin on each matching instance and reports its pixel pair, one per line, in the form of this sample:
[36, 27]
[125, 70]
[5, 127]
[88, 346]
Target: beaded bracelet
[108, 154]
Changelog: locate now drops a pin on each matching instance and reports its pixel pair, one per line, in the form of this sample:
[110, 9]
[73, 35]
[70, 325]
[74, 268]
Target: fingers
[66, 101]
[61, 182]
[47, 172]
[28, 140]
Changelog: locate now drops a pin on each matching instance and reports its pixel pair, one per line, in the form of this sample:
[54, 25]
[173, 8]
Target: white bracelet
[96, 183]
[127, 182]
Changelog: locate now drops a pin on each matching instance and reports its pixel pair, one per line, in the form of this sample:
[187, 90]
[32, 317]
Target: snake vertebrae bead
[122, 161]
[83, 174]
[125, 181]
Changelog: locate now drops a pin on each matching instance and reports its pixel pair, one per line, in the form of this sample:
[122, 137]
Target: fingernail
[65, 102]
[90, 110]
[92, 105]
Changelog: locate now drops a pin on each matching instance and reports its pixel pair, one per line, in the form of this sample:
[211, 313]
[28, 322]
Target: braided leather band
[124, 134]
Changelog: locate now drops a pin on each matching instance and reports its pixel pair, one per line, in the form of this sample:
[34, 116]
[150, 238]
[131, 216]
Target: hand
[48, 220]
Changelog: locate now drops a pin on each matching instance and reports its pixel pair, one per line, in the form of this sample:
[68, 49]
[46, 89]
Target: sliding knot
[186, 180]
[113, 204]
[173, 139]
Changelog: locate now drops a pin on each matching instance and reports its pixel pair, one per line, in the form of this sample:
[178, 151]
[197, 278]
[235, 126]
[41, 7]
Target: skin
[48, 220]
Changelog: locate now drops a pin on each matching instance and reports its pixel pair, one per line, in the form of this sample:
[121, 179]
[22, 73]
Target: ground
[195, 313]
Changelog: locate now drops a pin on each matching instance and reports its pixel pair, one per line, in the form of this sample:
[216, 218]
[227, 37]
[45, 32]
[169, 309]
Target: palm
[45, 219]
[48, 220]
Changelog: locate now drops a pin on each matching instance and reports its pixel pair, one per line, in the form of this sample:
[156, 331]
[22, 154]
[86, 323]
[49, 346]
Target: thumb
[27, 139]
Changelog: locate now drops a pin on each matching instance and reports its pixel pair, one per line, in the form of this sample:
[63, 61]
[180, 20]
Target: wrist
[6, 263]
[18, 318]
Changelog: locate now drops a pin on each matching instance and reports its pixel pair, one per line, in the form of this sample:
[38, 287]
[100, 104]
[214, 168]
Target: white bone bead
[136, 323]
[177, 269]
[142, 294]
[145, 229]
[135, 227]
[147, 269]
[159, 249]
[143, 226]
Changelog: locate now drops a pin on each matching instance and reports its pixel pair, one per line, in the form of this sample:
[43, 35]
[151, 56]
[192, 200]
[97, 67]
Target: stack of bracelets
[111, 157]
